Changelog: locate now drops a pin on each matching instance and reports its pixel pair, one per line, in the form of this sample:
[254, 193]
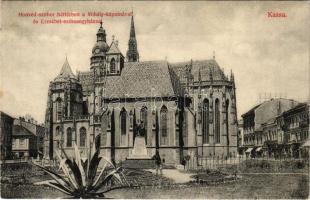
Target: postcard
[154, 100]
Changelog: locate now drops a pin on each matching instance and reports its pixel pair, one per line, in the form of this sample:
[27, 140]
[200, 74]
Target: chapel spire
[132, 53]
[65, 72]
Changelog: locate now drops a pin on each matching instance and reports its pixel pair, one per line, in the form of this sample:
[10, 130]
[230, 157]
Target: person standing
[158, 163]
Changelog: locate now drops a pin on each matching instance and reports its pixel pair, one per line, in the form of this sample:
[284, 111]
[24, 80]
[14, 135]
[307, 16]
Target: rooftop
[65, 72]
[208, 69]
[19, 130]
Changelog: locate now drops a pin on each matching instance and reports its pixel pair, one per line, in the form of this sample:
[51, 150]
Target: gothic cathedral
[180, 109]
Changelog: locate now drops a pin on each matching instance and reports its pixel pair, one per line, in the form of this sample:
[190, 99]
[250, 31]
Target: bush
[265, 164]
[302, 191]
[299, 165]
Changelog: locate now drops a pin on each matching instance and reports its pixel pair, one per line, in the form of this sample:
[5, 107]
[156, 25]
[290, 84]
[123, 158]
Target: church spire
[66, 70]
[132, 53]
[101, 35]
[132, 28]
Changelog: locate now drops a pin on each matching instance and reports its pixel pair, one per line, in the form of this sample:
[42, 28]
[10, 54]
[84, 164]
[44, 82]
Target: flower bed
[138, 178]
[213, 177]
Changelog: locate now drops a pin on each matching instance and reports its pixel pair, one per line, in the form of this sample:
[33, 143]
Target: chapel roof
[207, 69]
[65, 72]
[114, 48]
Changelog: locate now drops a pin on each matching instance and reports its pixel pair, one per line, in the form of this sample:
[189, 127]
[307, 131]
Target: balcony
[81, 117]
[68, 118]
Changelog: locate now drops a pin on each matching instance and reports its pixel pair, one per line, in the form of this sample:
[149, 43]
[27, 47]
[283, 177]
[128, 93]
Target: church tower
[65, 103]
[98, 58]
[132, 53]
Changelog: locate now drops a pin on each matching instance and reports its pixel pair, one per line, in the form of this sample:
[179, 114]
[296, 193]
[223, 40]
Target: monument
[139, 149]
[138, 158]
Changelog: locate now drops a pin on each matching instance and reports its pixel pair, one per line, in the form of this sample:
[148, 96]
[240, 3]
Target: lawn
[263, 186]
[17, 183]
[251, 186]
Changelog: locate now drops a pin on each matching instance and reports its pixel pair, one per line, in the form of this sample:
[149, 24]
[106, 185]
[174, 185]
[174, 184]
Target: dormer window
[112, 66]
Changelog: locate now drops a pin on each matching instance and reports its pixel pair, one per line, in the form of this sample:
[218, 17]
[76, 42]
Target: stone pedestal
[139, 150]
[138, 158]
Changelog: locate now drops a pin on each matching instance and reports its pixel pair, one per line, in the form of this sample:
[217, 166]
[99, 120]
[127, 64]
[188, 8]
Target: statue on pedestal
[139, 150]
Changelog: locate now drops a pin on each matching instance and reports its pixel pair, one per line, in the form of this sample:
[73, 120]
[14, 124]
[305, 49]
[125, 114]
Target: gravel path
[176, 175]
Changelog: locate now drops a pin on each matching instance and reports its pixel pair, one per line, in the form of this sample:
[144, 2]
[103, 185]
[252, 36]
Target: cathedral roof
[86, 80]
[209, 69]
[65, 72]
[139, 80]
[142, 79]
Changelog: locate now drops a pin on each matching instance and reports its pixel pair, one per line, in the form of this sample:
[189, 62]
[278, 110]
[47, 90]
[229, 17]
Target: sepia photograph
[154, 99]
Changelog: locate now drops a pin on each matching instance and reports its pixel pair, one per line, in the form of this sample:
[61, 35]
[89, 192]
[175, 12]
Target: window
[69, 137]
[82, 137]
[143, 117]
[227, 121]
[58, 109]
[205, 121]
[14, 143]
[112, 66]
[98, 141]
[57, 131]
[123, 120]
[163, 126]
[217, 121]
[21, 142]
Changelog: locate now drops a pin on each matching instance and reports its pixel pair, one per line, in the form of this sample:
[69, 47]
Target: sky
[267, 55]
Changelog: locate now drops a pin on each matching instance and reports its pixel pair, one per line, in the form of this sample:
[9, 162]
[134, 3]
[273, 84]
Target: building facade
[240, 143]
[186, 108]
[284, 129]
[6, 128]
[27, 139]
[294, 125]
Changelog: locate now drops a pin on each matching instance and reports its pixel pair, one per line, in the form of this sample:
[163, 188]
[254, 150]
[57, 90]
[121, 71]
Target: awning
[248, 150]
[259, 149]
[306, 144]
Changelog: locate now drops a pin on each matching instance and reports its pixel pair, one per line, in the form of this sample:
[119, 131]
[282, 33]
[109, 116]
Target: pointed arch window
[123, 116]
[164, 126]
[123, 126]
[143, 117]
[82, 137]
[227, 121]
[58, 109]
[205, 121]
[57, 131]
[69, 137]
[217, 121]
[112, 66]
